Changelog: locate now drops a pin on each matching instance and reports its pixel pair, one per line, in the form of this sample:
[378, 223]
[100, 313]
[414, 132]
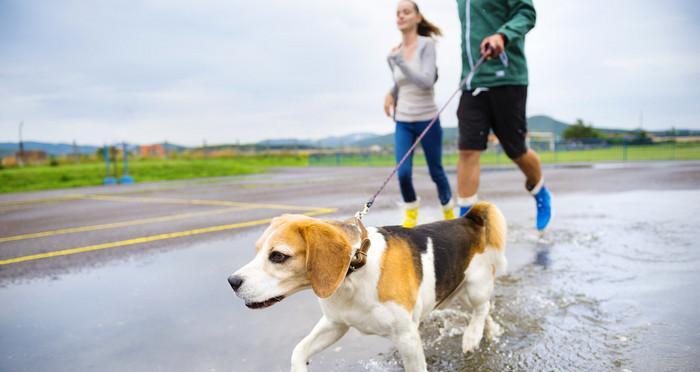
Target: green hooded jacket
[482, 18]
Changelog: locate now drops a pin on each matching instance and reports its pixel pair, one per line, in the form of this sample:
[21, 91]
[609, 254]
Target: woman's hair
[425, 27]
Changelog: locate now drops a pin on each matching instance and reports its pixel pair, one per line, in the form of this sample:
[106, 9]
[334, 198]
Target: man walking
[496, 96]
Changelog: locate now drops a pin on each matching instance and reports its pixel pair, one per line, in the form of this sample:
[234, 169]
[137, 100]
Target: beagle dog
[406, 274]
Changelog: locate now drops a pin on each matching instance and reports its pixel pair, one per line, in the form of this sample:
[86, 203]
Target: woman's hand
[389, 105]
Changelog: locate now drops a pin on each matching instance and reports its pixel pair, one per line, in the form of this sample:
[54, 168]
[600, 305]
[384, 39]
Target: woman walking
[411, 103]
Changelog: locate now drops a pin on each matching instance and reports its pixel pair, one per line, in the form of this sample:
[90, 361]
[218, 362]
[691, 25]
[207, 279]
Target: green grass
[92, 174]
[680, 151]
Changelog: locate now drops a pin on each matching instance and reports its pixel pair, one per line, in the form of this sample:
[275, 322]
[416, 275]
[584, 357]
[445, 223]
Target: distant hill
[539, 123]
[9, 148]
[542, 123]
[58, 149]
[332, 142]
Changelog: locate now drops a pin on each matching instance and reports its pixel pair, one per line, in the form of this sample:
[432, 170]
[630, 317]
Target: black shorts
[501, 109]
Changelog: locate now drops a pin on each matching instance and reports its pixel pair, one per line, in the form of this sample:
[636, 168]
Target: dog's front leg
[324, 334]
[409, 344]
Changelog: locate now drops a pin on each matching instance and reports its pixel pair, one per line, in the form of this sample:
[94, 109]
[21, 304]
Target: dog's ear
[327, 256]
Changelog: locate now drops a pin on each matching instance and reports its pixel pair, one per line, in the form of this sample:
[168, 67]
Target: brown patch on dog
[328, 254]
[487, 215]
[399, 280]
[274, 224]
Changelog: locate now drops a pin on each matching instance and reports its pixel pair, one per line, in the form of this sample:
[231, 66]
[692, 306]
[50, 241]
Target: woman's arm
[425, 78]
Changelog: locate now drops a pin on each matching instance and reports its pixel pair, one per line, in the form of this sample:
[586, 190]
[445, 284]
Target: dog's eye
[277, 257]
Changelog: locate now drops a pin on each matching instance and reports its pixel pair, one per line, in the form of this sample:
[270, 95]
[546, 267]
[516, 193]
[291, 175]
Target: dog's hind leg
[475, 330]
[493, 330]
[477, 295]
[324, 334]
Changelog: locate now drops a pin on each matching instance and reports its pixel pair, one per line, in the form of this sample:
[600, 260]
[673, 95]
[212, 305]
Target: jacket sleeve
[425, 78]
[395, 88]
[521, 19]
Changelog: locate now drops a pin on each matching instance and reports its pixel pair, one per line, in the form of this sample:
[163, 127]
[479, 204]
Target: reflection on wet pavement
[612, 286]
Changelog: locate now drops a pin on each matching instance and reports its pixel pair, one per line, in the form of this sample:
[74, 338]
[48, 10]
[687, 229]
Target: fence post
[624, 151]
[125, 178]
[674, 149]
[108, 180]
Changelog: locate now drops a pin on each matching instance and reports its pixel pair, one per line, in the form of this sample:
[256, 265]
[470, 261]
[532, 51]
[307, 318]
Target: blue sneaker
[544, 208]
[464, 210]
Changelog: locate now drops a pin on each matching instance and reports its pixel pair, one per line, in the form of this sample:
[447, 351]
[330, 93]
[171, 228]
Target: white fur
[427, 286]
[261, 285]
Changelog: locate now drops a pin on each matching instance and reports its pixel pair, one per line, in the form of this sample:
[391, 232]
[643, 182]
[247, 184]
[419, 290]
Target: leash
[467, 79]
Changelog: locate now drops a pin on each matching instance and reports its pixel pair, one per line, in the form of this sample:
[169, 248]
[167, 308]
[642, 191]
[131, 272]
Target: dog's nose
[235, 281]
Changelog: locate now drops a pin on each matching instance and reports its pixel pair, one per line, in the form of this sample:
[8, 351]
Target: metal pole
[108, 180]
[125, 178]
[21, 145]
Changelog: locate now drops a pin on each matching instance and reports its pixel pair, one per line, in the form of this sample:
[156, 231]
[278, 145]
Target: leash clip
[363, 212]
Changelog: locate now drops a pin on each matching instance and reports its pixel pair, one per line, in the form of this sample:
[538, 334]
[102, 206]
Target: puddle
[612, 286]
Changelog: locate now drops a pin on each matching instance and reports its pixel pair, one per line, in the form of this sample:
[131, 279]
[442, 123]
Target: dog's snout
[235, 281]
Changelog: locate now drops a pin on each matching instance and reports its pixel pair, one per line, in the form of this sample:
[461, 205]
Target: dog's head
[293, 253]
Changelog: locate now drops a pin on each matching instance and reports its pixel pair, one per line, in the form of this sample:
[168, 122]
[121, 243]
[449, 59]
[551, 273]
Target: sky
[227, 71]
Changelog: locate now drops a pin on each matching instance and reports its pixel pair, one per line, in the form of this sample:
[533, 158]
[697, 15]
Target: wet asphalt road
[611, 286]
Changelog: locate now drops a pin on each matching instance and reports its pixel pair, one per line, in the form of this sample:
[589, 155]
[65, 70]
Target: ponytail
[425, 27]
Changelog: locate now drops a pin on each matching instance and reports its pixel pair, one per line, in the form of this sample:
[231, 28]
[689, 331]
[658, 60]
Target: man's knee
[469, 155]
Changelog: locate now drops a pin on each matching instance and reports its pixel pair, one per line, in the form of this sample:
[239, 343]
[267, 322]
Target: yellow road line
[151, 238]
[114, 225]
[13, 203]
[197, 202]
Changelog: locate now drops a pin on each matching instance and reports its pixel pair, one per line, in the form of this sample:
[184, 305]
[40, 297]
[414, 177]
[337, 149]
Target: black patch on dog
[454, 243]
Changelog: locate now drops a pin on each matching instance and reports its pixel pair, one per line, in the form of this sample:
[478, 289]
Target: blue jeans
[406, 134]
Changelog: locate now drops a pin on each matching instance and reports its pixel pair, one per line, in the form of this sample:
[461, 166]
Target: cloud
[144, 71]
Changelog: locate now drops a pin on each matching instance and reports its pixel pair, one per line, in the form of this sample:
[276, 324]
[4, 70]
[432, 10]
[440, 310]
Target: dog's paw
[493, 330]
[300, 368]
[470, 341]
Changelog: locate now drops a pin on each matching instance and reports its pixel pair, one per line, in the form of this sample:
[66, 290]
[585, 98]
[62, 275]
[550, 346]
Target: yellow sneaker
[410, 218]
[448, 210]
[448, 213]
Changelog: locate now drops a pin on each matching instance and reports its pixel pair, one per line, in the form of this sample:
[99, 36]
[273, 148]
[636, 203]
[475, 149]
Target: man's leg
[529, 164]
[468, 174]
[474, 125]
[510, 126]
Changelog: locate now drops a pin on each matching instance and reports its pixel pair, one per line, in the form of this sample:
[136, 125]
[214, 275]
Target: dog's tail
[495, 229]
